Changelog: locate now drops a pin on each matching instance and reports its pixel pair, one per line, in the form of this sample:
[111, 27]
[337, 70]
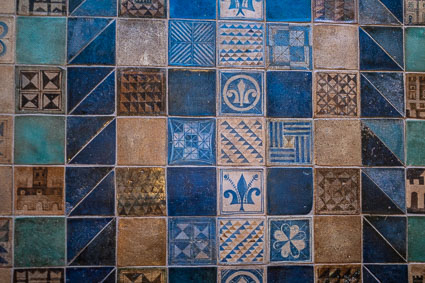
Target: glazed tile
[414, 39]
[6, 177]
[143, 9]
[415, 142]
[413, 13]
[252, 10]
[414, 186]
[291, 273]
[158, 275]
[335, 11]
[416, 238]
[103, 8]
[416, 272]
[277, 10]
[195, 9]
[37, 274]
[7, 40]
[6, 242]
[326, 273]
[384, 273]
[6, 139]
[241, 274]
[8, 6]
[414, 88]
[41, 8]
[377, 12]
[192, 274]
[7, 89]
[90, 274]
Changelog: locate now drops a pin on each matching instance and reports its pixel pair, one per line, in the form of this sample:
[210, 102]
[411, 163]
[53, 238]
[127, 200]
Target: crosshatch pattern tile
[212, 141]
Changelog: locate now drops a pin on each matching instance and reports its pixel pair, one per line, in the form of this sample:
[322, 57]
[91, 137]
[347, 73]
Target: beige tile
[6, 139]
[7, 89]
[416, 271]
[141, 141]
[5, 273]
[6, 190]
[7, 6]
[8, 39]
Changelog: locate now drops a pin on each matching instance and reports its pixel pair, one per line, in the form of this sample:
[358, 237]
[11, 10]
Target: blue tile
[290, 239]
[289, 94]
[289, 191]
[386, 12]
[91, 241]
[242, 275]
[91, 140]
[192, 275]
[90, 275]
[193, 9]
[191, 43]
[241, 10]
[388, 273]
[191, 191]
[104, 8]
[384, 239]
[291, 274]
[288, 10]
[90, 191]
[191, 141]
[91, 41]
[191, 92]
[241, 93]
[191, 241]
[91, 90]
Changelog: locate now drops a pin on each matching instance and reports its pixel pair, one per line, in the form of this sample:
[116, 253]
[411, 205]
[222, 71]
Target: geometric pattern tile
[6, 242]
[243, 275]
[90, 274]
[104, 8]
[414, 12]
[42, 275]
[41, 7]
[415, 190]
[385, 273]
[143, 9]
[335, 10]
[142, 275]
[384, 12]
[415, 96]
[338, 273]
[249, 10]
[6, 141]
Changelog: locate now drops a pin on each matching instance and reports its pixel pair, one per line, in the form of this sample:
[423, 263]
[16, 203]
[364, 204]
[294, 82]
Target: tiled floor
[212, 141]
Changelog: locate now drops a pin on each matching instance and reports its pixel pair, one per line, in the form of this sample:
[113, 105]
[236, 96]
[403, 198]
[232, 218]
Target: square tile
[7, 89]
[337, 239]
[39, 190]
[192, 274]
[289, 191]
[327, 273]
[143, 9]
[91, 41]
[90, 274]
[241, 93]
[249, 275]
[194, 9]
[91, 241]
[191, 241]
[31, 275]
[413, 13]
[289, 94]
[337, 142]
[6, 190]
[91, 90]
[141, 236]
[373, 12]
[6, 243]
[6, 274]
[136, 144]
[40, 90]
[147, 50]
[191, 92]
[91, 140]
[241, 191]
[90, 191]
[289, 46]
[382, 142]
[290, 239]
[6, 139]
[241, 141]
[291, 273]
[241, 240]
[7, 40]
[381, 48]
[382, 95]
[415, 186]
[335, 11]
[288, 11]
[103, 8]
[191, 141]
[40, 40]
[416, 238]
[158, 275]
[415, 87]
[247, 10]
[336, 94]
[39, 241]
[192, 191]
[384, 239]
[289, 142]
[8, 6]
[191, 43]
[141, 91]
[415, 143]
[416, 271]
[335, 47]
[385, 272]
[141, 191]
[383, 191]
[39, 140]
[337, 191]
[41, 7]
[415, 38]
[241, 44]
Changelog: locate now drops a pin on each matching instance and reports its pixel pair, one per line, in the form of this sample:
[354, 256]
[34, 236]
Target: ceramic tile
[7, 85]
[385, 273]
[289, 191]
[335, 11]
[191, 241]
[241, 93]
[41, 8]
[195, 9]
[6, 139]
[327, 273]
[416, 273]
[291, 273]
[8, 6]
[414, 190]
[289, 94]
[141, 191]
[6, 242]
[278, 10]
[191, 92]
[34, 275]
[143, 9]
[193, 275]
[248, 10]
[91, 274]
[415, 142]
[249, 275]
[136, 145]
[6, 274]
[141, 236]
[373, 12]
[415, 84]
[6, 190]
[416, 238]
[414, 12]
[39, 241]
[7, 40]
[104, 8]
[414, 39]
[148, 275]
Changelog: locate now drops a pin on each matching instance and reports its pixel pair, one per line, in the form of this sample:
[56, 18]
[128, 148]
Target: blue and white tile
[242, 275]
[241, 10]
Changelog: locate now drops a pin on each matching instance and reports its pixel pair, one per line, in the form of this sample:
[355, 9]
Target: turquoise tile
[415, 55]
[415, 143]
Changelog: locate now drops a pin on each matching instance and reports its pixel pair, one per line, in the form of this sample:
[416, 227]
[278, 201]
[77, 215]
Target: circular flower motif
[289, 240]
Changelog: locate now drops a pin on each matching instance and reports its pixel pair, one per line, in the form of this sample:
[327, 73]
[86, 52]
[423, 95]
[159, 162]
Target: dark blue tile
[385, 273]
[384, 239]
[288, 10]
[90, 275]
[191, 191]
[193, 9]
[192, 275]
[389, 12]
[191, 92]
[104, 8]
[242, 275]
[90, 191]
[290, 274]
[91, 41]
[91, 90]
[289, 191]
[289, 94]
[91, 241]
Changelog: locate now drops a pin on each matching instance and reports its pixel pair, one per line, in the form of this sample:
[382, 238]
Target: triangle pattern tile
[94, 8]
[91, 274]
[396, 8]
[389, 39]
[388, 273]
[375, 12]
[111, 278]
[73, 4]
[368, 277]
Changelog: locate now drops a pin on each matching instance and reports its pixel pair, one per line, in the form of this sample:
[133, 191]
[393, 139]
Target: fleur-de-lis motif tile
[235, 9]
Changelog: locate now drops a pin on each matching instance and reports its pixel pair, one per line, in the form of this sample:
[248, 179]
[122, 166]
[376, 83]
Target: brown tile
[337, 142]
[6, 139]
[337, 191]
[142, 275]
[6, 242]
[141, 141]
[338, 273]
[39, 190]
[5, 274]
[7, 89]
[415, 101]
[141, 242]
[141, 191]
[416, 273]
[335, 47]
[337, 239]
[6, 190]
[7, 6]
